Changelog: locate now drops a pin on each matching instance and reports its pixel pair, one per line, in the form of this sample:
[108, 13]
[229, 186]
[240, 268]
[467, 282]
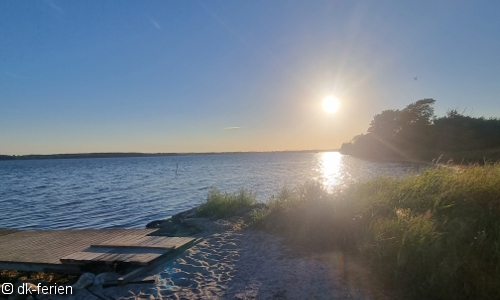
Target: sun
[330, 104]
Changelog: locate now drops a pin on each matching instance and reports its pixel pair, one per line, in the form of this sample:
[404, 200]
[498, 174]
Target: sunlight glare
[330, 104]
[331, 167]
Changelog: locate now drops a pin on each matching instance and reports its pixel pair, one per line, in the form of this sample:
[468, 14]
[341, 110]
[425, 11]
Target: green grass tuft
[226, 204]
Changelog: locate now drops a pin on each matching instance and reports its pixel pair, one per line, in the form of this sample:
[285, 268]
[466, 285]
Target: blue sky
[201, 76]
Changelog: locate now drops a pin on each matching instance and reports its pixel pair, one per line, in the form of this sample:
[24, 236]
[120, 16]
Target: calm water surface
[130, 192]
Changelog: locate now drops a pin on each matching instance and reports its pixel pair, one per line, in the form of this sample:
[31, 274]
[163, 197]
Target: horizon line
[154, 153]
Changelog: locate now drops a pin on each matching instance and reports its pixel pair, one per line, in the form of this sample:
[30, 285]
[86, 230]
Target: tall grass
[222, 205]
[436, 235]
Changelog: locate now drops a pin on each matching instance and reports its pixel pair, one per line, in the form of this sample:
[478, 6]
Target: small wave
[88, 196]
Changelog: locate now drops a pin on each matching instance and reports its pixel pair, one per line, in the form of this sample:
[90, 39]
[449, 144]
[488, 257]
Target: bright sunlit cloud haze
[217, 76]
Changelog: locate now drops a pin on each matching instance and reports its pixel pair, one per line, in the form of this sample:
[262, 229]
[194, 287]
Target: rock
[242, 211]
[185, 231]
[176, 219]
[104, 277]
[155, 224]
[184, 223]
[198, 223]
[101, 293]
[168, 228]
[191, 213]
[208, 225]
[84, 281]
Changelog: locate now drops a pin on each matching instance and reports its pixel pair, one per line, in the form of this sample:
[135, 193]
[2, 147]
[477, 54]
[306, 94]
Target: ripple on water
[130, 192]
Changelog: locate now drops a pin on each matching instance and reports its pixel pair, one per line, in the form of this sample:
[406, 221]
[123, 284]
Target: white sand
[244, 264]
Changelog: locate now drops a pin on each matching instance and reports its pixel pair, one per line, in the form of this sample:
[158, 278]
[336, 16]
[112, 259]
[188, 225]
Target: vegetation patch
[415, 133]
[222, 204]
[435, 235]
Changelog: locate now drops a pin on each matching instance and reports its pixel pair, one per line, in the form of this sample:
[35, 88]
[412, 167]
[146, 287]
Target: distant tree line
[135, 154]
[415, 133]
[82, 155]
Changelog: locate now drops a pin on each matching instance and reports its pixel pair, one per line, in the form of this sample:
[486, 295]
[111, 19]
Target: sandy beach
[242, 264]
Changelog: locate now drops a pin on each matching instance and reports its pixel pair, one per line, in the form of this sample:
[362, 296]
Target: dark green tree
[396, 133]
[415, 133]
[386, 125]
[418, 113]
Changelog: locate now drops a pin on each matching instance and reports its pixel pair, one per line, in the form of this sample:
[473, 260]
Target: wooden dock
[68, 250]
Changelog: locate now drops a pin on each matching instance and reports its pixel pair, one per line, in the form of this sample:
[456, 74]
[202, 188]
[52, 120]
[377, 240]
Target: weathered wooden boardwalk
[67, 250]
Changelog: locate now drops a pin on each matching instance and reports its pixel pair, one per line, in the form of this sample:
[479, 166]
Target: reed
[435, 235]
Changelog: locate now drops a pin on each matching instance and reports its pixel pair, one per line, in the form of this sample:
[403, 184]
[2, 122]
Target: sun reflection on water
[330, 167]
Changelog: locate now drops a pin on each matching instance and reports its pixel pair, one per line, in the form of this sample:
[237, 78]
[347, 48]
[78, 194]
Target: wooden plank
[146, 279]
[122, 241]
[49, 246]
[160, 242]
[5, 231]
[156, 262]
[140, 280]
[141, 256]
[121, 257]
[143, 259]
[159, 247]
[103, 257]
[82, 257]
[30, 250]
[128, 277]
[36, 267]
[130, 239]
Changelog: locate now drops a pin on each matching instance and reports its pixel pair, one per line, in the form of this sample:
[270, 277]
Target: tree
[418, 113]
[415, 133]
[386, 124]
[390, 123]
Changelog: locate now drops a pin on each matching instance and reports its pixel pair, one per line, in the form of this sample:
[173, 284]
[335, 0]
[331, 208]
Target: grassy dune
[432, 236]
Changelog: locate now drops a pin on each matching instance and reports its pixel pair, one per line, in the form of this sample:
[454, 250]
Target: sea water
[130, 192]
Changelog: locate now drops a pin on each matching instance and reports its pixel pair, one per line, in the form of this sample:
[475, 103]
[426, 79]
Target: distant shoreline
[134, 154]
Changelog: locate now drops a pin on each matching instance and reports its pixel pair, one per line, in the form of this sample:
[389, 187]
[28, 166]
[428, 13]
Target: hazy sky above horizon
[202, 76]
